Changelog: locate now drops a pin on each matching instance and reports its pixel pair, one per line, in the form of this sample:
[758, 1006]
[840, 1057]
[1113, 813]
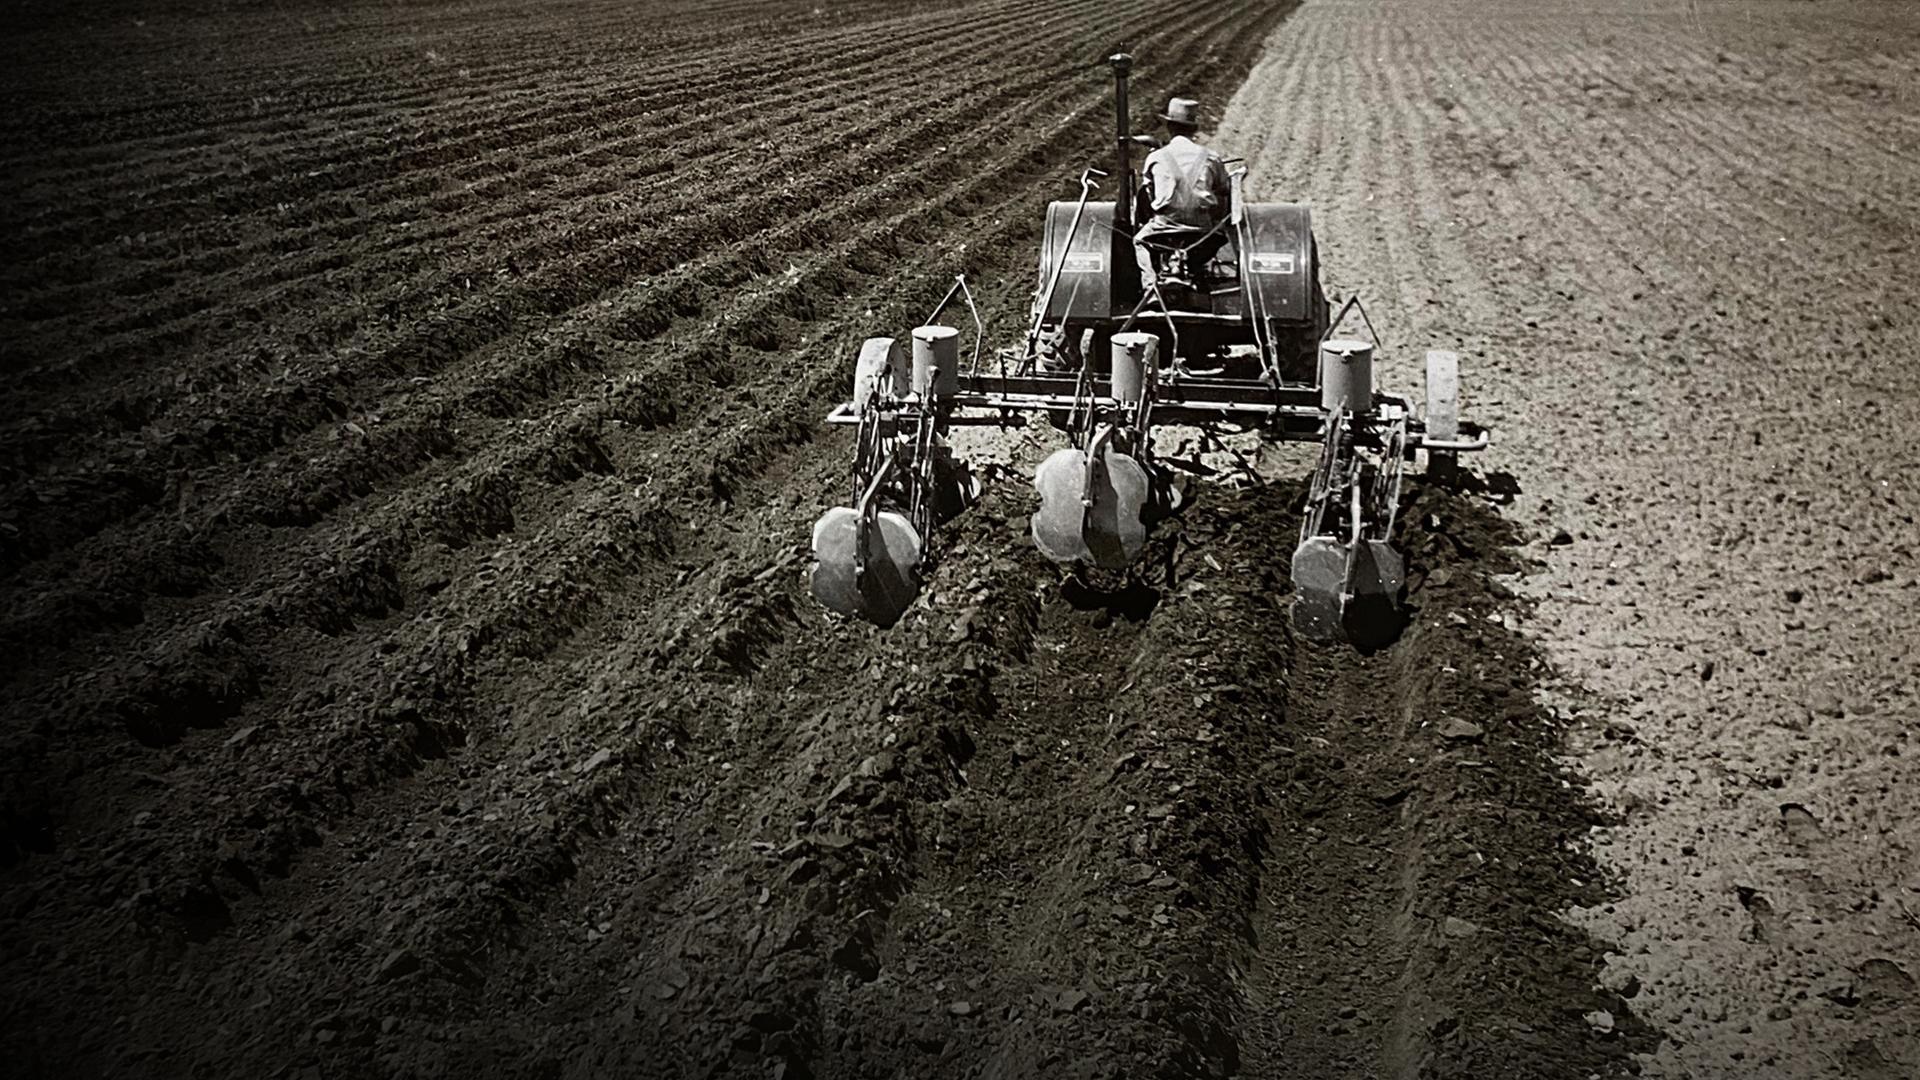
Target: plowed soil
[410, 448]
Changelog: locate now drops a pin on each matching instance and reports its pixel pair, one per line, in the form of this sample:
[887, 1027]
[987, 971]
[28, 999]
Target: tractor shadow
[1128, 597]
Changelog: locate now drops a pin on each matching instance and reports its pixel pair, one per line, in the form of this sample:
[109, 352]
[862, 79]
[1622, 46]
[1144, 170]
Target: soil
[1669, 239]
[412, 440]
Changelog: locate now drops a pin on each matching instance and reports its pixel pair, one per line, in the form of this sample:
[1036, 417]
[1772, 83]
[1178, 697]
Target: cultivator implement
[1246, 341]
[867, 556]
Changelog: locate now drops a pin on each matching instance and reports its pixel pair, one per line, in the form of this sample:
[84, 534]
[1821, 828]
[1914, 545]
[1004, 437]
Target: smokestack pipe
[1123, 154]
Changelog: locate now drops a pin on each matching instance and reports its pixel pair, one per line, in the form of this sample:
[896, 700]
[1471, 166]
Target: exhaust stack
[1122, 145]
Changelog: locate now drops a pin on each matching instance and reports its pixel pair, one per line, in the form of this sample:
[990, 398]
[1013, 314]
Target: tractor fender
[1085, 290]
[1280, 277]
[1277, 261]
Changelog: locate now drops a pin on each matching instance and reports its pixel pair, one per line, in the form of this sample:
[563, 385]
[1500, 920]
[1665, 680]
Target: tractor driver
[1186, 186]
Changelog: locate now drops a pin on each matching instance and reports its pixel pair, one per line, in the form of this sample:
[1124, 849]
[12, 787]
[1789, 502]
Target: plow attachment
[1348, 578]
[1091, 507]
[867, 557]
[1347, 592]
[1347, 575]
[866, 560]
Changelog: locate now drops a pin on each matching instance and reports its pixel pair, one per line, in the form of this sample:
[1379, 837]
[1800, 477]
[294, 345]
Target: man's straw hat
[1182, 111]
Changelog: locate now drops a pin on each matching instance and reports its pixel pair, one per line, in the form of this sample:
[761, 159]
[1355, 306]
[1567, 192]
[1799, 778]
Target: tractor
[1226, 332]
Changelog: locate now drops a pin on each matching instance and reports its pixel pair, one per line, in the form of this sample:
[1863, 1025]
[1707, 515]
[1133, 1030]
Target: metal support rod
[934, 318]
[1456, 444]
[869, 509]
[979, 328]
[1095, 447]
[1096, 465]
[1087, 187]
[1352, 302]
[921, 474]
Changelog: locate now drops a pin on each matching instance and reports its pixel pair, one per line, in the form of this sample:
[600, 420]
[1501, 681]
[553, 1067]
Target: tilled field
[409, 456]
[1676, 242]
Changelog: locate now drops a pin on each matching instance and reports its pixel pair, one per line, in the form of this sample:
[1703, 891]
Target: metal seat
[1169, 251]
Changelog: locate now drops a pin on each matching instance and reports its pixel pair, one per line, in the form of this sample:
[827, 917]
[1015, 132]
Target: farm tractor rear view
[1244, 341]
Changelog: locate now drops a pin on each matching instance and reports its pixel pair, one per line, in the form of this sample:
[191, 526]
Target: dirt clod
[399, 962]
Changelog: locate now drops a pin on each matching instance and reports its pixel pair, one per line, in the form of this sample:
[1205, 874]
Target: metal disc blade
[954, 489]
[1379, 571]
[880, 595]
[1110, 533]
[1372, 615]
[1319, 586]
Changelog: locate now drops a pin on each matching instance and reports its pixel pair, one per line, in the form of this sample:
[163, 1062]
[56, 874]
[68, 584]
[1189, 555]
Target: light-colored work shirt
[1187, 183]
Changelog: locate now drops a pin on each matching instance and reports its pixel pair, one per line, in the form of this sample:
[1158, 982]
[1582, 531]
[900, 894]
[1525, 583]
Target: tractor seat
[1173, 261]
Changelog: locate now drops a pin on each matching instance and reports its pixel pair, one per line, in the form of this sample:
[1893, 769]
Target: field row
[428, 313]
[300, 598]
[340, 593]
[197, 74]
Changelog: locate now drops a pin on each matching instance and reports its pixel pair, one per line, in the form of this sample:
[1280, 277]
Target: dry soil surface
[411, 444]
[1678, 244]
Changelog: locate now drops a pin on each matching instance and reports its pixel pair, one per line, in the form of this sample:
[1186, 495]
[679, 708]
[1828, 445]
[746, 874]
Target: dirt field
[1678, 242]
[405, 479]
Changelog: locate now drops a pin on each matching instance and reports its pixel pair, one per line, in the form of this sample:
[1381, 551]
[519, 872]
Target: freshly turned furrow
[755, 117]
[761, 118]
[496, 86]
[1108, 847]
[136, 124]
[294, 406]
[268, 129]
[717, 634]
[533, 136]
[323, 164]
[1290, 1023]
[933, 725]
[50, 434]
[377, 562]
[318, 486]
[454, 275]
[552, 582]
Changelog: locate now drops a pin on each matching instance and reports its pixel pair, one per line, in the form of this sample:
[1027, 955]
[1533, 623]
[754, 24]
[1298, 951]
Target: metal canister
[1346, 375]
[936, 361]
[881, 367]
[1133, 358]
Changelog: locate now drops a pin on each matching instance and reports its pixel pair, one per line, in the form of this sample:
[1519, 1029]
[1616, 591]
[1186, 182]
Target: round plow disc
[1343, 593]
[1319, 584]
[1373, 616]
[877, 588]
[1109, 533]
